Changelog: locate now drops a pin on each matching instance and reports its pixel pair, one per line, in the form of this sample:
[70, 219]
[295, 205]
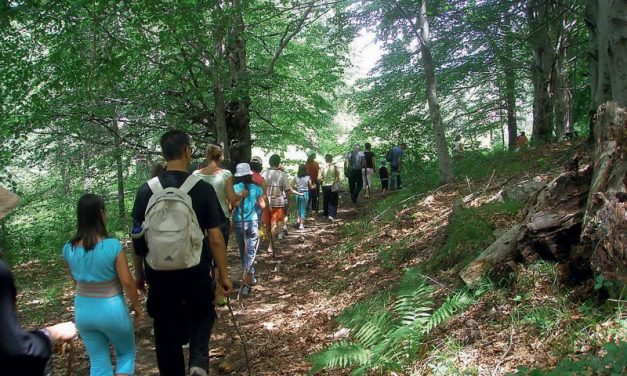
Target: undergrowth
[612, 361]
[470, 231]
[389, 332]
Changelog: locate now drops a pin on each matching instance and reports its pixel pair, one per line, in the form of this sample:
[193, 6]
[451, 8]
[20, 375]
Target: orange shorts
[273, 215]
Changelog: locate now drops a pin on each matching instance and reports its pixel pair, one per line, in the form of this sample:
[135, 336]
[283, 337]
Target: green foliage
[481, 164]
[469, 232]
[612, 362]
[389, 330]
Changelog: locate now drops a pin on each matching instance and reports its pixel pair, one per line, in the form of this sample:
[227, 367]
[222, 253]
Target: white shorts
[366, 175]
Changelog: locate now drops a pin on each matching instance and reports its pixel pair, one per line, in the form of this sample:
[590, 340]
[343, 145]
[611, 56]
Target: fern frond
[448, 309]
[372, 331]
[340, 355]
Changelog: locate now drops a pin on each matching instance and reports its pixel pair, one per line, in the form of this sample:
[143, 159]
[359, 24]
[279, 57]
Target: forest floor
[531, 321]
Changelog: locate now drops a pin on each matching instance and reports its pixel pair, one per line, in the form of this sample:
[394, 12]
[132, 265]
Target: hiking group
[182, 223]
[359, 168]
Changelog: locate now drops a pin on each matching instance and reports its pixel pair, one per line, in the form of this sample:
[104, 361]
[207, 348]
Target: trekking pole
[239, 333]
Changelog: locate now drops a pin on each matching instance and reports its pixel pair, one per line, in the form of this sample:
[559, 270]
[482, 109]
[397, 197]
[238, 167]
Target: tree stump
[605, 222]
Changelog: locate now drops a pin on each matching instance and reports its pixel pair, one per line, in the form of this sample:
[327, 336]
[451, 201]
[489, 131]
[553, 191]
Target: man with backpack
[355, 161]
[177, 220]
[395, 157]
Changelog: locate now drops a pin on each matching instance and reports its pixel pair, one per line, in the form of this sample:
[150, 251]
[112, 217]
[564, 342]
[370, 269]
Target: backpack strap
[189, 183]
[155, 185]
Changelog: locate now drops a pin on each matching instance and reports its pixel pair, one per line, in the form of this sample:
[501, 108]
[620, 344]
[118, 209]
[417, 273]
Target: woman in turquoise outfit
[99, 268]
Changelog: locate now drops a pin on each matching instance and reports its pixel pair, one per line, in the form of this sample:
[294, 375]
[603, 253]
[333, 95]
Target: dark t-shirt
[383, 173]
[21, 352]
[369, 159]
[208, 212]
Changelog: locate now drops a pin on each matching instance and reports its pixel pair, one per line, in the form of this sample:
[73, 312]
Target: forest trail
[288, 315]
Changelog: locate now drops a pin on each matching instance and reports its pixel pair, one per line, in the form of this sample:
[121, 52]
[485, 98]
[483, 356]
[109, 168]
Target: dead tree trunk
[605, 222]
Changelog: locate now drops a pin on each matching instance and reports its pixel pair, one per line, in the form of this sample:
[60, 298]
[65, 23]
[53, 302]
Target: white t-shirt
[302, 184]
[277, 183]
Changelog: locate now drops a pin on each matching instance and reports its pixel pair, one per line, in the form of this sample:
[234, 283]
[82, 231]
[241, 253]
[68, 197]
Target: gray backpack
[171, 228]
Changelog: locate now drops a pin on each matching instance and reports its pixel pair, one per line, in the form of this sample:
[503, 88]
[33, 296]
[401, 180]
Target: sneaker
[197, 371]
[301, 227]
[331, 218]
[280, 236]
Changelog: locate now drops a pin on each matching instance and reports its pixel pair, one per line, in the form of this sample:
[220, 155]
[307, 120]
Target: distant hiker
[278, 195]
[222, 182]
[23, 352]
[354, 162]
[384, 176]
[313, 169]
[395, 157]
[369, 168]
[98, 265]
[246, 220]
[458, 147]
[521, 141]
[172, 243]
[301, 185]
[330, 180]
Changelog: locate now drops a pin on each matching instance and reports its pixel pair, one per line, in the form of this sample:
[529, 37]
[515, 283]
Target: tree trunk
[539, 13]
[510, 84]
[562, 85]
[605, 221]
[563, 98]
[218, 87]
[607, 27]
[445, 167]
[237, 110]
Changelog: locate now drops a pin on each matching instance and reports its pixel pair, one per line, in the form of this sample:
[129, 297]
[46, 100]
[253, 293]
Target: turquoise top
[96, 265]
[249, 203]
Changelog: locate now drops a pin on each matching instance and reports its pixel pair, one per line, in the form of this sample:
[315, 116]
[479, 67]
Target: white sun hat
[242, 169]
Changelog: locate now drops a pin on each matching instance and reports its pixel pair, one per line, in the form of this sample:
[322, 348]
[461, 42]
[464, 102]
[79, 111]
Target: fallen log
[551, 228]
[502, 250]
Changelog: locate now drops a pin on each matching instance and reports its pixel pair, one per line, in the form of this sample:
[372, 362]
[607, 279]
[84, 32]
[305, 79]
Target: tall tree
[421, 31]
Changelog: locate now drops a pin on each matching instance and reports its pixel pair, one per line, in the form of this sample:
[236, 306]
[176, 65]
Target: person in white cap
[23, 352]
[246, 220]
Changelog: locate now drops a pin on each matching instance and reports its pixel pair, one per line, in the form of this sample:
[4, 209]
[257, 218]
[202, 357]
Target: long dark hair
[302, 171]
[90, 226]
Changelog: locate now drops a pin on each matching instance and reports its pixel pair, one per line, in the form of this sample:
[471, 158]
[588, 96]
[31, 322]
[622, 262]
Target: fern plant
[387, 333]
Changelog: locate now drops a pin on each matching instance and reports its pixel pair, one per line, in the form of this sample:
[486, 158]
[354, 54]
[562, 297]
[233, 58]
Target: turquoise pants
[104, 321]
[302, 204]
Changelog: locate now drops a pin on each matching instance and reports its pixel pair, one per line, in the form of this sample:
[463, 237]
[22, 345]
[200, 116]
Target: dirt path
[287, 316]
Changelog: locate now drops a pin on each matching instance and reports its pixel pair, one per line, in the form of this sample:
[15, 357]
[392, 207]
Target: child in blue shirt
[246, 223]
